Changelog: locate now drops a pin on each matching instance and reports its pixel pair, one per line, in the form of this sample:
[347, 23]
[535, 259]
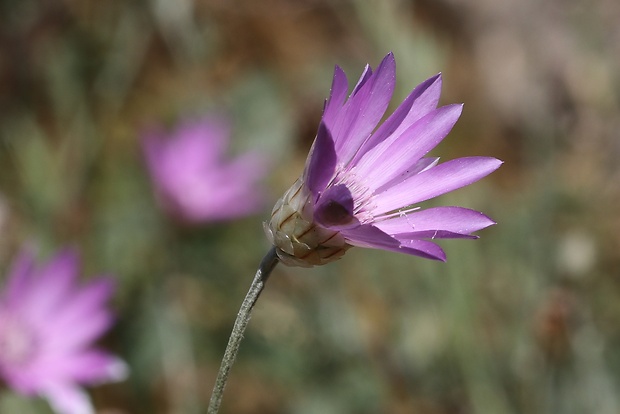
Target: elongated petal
[338, 94]
[422, 100]
[392, 158]
[91, 366]
[363, 110]
[366, 74]
[235, 181]
[423, 164]
[434, 234]
[422, 248]
[61, 269]
[204, 139]
[86, 303]
[449, 219]
[435, 181]
[52, 286]
[321, 161]
[186, 156]
[99, 322]
[371, 237]
[68, 399]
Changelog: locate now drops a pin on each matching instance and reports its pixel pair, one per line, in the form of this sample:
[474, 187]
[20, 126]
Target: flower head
[47, 325]
[192, 178]
[362, 184]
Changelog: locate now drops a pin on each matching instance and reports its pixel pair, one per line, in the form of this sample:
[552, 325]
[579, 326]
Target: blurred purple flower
[362, 188]
[192, 178]
[47, 325]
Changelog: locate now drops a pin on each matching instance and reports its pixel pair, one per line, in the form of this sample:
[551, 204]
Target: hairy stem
[243, 317]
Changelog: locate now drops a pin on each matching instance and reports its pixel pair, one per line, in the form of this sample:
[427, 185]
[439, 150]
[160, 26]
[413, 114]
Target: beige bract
[299, 241]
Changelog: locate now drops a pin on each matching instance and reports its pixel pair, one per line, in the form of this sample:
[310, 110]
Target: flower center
[17, 343]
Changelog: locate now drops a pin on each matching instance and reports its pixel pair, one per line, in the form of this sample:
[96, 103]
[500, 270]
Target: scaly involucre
[362, 184]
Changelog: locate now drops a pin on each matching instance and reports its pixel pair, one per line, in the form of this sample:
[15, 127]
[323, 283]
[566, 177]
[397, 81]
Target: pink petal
[321, 162]
[457, 220]
[434, 182]
[363, 110]
[222, 192]
[85, 304]
[434, 234]
[423, 248]
[193, 148]
[371, 237]
[422, 100]
[393, 157]
[53, 284]
[68, 399]
[422, 164]
[338, 93]
[366, 74]
[86, 367]
[80, 334]
[203, 139]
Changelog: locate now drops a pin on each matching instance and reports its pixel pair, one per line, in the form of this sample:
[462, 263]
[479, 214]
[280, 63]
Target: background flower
[47, 327]
[192, 177]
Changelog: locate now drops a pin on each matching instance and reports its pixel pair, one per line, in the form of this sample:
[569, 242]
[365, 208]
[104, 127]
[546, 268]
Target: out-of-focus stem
[243, 317]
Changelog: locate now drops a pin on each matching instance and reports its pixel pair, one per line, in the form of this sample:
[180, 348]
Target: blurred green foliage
[524, 320]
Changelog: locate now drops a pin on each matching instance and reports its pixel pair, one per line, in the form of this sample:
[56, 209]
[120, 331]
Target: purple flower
[362, 184]
[192, 178]
[47, 325]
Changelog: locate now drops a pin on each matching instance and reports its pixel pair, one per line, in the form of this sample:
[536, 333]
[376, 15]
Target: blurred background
[524, 320]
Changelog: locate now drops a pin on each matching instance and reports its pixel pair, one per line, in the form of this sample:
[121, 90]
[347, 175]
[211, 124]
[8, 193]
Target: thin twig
[243, 317]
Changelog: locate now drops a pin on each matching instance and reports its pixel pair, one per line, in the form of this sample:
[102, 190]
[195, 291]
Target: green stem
[243, 317]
